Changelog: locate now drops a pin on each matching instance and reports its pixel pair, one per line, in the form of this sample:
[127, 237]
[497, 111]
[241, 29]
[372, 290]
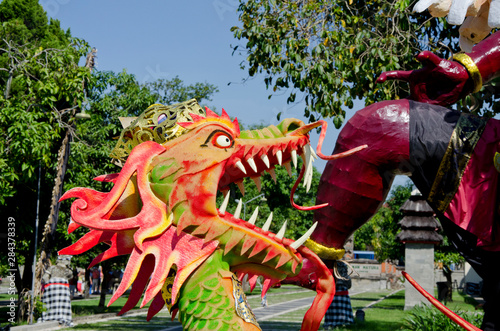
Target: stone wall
[371, 275]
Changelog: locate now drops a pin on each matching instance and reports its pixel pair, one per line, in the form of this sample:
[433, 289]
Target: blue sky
[191, 39]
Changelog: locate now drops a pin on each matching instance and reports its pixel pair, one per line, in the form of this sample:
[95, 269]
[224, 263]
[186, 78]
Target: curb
[36, 326]
[54, 325]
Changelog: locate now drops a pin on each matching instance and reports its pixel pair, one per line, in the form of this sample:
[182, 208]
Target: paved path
[261, 313]
[271, 311]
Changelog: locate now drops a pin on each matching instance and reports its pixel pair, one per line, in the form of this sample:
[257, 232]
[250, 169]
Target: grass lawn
[91, 306]
[389, 314]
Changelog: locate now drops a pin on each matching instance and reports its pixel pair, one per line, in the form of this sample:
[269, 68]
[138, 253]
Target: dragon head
[162, 208]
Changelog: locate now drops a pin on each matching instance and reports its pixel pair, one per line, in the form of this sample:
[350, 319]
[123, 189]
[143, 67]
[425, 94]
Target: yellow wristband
[326, 253]
[471, 67]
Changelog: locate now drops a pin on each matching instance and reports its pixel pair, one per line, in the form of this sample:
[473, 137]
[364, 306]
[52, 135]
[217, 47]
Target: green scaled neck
[213, 299]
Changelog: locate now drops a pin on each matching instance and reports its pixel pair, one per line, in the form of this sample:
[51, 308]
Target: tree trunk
[51, 224]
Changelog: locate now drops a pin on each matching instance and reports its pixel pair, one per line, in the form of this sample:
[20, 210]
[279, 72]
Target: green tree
[446, 253]
[329, 53]
[170, 91]
[40, 82]
[42, 87]
[42, 90]
[379, 233]
[25, 21]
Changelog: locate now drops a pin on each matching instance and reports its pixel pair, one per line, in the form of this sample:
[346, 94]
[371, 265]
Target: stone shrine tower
[419, 234]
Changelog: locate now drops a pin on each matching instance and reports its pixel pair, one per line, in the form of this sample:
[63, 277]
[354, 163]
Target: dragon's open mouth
[258, 251]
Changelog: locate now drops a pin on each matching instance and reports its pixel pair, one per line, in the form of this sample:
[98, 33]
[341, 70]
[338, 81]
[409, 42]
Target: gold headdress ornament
[157, 123]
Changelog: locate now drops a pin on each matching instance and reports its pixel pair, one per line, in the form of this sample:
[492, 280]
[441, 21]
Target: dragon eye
[222, 140]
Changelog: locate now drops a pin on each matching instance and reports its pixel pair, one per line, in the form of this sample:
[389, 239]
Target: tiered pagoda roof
[419, 224]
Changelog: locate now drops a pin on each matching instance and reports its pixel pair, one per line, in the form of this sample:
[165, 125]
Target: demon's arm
[444, 82]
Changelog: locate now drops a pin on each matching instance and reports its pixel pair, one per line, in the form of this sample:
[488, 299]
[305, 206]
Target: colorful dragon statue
[184, 252]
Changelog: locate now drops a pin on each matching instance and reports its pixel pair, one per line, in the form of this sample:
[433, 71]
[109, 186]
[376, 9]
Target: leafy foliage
[173, 91]
[430, 319]
[42, 88]
[47, 86]
[446, 253]
[41, 84]
[329, 53]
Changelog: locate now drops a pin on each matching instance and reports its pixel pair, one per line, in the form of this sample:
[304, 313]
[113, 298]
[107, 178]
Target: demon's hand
[439, 82]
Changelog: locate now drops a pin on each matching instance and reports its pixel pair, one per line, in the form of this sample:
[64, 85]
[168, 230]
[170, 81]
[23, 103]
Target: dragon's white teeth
[308, 157]
[307, 153]
[254, 216]
[308, 180]
[257, 182]
[308, 187]
[241, 167]
[237, 212]
[281, 232]
[272, 173]
[265, 159]
[309, 174]
[268, 222]
[313, 153]
[223, 207]
[241, 186]
[288, 168]
[299, 242]
[252, 165]
[279, 156]
[308, 164]
[294, 158]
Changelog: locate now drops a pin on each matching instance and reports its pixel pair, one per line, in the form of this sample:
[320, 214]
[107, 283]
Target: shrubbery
[423, 318]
